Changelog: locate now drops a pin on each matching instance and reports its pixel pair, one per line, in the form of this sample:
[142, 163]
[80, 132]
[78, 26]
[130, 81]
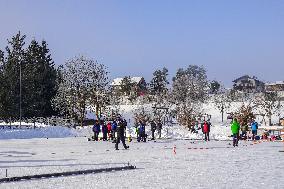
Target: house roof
[241, 78]
[117, 81]
[275, 83]
[245, 77]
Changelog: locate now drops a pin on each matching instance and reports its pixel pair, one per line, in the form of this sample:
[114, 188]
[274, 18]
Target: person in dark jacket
[125, 125]
[120, 135]
[153, 129]
[142, 132]
[96, 130]
[104, 130]
[159, 128]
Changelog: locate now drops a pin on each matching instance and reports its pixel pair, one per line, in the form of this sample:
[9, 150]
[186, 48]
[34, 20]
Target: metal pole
[20, 93]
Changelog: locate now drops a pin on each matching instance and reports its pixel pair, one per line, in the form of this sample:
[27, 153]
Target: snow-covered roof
[117, 81]
[276, 83]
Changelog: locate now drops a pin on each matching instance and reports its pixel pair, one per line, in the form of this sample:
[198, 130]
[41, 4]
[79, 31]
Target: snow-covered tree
[268, 103]
[190, 88]
[83, 82]
[223, 101]
[141, 114]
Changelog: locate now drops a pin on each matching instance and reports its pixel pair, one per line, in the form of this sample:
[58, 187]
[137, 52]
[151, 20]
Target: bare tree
[269, 104]
[223, 101]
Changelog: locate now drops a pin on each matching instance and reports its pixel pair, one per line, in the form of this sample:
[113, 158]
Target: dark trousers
[254, 133]
[112, 135]
[159, 133]
[206, 136]
[122, 139]
[153, 134]
[235, 139]
[96, 136]
[105, 135]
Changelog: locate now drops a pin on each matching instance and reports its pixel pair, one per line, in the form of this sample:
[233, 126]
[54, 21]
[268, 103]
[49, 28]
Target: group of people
[204, 126]
[236, 127]
[115, 130]
[140, 128]
[112, 130]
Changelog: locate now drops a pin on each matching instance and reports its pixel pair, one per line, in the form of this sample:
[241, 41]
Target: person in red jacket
[206, 130]
[109, 130]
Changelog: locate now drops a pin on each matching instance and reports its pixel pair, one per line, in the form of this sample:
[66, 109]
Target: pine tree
[10, 86]
[39, 84]
[214, 87]
[38, 79]
[158, 84]
[126, 86]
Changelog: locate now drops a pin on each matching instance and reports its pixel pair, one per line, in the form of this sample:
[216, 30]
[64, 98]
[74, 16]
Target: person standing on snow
[104, 130]
[120, 135]
[206, 130]
[141, 131]
[96, 130]
[113, 129]
[109, 130]
[254, 127]
[244, 129]
[235, 128]
[153, 129]
[159, 128]
[125, 125]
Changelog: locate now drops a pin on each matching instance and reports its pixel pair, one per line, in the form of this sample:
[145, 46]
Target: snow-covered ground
[196, 164]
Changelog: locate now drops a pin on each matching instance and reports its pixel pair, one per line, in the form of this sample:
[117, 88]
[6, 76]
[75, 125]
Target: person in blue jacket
[254, 127]
[113, 130]
[142, 134]
[96, 130]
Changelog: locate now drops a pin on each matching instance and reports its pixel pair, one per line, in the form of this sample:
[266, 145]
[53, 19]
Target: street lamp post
[20, 93]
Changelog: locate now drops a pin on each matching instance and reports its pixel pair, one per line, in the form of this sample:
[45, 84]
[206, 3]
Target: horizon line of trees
[81, 83]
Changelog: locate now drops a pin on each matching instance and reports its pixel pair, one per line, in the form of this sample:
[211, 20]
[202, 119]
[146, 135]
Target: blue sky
[230, 38]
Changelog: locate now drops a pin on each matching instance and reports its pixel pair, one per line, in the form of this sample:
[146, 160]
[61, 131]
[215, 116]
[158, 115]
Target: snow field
[193, 166]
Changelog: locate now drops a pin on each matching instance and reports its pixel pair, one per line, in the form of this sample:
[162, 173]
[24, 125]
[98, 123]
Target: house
[277, 86]
[248, 84]
[138, 85]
